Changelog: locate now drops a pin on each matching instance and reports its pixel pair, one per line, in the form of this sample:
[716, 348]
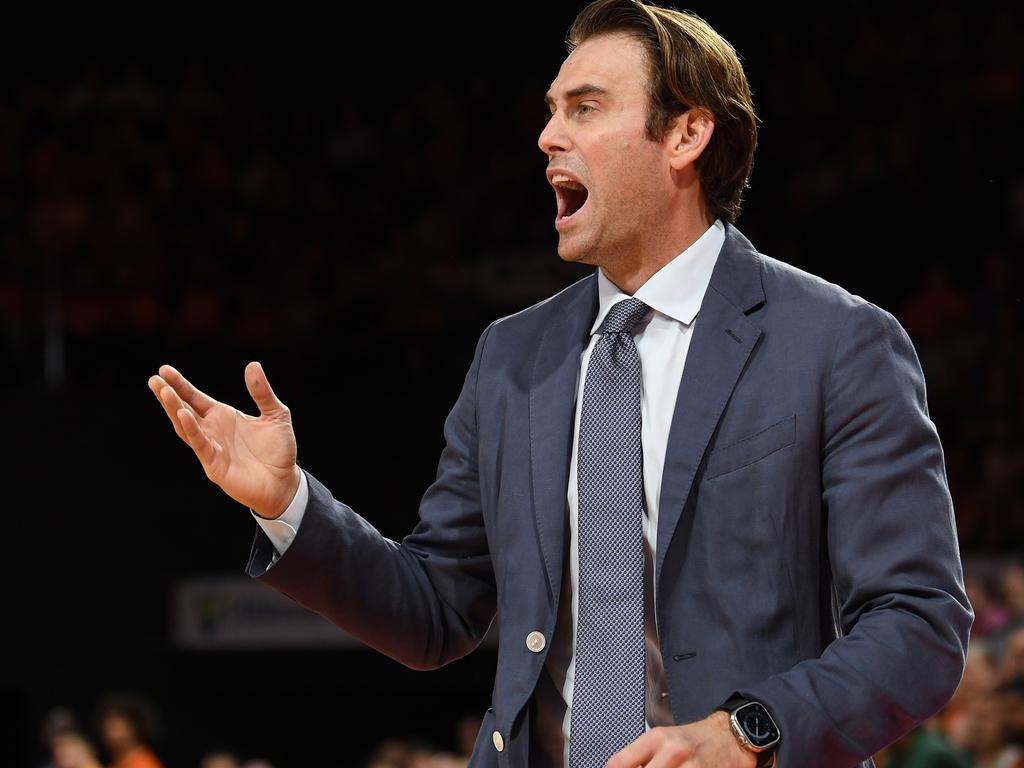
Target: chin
[572, 253]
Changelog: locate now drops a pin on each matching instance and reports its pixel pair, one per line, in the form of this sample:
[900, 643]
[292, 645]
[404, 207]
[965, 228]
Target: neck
[631, 268]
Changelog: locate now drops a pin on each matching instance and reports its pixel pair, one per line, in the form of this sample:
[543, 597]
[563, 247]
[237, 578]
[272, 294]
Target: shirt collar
[675, 290]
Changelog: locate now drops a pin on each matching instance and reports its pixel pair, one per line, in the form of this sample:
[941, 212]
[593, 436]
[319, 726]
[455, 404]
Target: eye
[584, 109]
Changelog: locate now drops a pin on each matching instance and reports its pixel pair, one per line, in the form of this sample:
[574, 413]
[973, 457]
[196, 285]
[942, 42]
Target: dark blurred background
[351, 199]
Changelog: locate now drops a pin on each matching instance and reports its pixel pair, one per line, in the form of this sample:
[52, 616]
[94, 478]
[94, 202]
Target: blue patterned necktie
[608, 692]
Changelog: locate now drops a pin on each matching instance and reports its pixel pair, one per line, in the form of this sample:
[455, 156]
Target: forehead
[616, 62]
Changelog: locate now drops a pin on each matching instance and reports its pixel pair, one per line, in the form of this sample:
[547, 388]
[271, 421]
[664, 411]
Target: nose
[554, 137]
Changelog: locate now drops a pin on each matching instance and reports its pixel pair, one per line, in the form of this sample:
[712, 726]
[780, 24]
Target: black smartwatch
[754, 728]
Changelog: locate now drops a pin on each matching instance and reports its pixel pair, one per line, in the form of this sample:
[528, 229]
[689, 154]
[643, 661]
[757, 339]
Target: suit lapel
[723, 339]
[552, 411]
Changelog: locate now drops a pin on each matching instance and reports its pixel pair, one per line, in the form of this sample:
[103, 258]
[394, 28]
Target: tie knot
[624, 315]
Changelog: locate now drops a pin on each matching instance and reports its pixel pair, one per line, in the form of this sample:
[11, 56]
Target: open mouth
[570, 194]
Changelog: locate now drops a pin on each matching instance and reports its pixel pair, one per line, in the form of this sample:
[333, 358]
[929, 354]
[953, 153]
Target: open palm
[252, 458]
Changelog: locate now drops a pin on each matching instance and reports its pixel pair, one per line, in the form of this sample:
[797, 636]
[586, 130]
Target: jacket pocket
[751, 449]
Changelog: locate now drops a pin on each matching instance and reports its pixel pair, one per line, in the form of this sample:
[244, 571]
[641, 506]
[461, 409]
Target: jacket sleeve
[425, 601]
[900, 608]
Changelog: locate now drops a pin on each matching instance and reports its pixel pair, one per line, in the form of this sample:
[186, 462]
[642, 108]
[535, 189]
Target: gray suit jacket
[807, 551]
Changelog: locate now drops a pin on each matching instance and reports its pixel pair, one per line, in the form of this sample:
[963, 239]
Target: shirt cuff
[281, 530]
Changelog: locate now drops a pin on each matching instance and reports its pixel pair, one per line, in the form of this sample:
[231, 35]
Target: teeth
[561, 180]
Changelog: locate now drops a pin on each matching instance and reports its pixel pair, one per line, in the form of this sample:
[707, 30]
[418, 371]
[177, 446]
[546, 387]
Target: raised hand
[252, 458]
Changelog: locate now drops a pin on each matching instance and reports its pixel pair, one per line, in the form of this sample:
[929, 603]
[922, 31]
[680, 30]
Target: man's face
[612, 184]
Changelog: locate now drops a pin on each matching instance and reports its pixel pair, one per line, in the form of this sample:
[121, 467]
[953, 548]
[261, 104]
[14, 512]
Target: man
[699, 488]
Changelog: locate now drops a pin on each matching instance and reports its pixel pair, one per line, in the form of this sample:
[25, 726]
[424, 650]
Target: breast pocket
[751, 449]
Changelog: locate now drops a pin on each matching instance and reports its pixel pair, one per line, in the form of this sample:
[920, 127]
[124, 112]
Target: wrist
[753, 728]
[719, 720]
[280, 505]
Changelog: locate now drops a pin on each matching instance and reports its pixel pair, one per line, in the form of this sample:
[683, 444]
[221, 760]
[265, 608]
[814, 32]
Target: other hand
[252, 458]
[709, 743]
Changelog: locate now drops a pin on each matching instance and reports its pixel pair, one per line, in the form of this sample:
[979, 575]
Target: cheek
[631, 185]
[625, 173]
[617, 177]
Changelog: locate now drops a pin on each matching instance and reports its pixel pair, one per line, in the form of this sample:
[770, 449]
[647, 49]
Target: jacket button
[535, 642]
[499, 743]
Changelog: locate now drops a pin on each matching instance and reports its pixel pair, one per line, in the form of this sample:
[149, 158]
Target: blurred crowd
[128, 725]
[128, 731]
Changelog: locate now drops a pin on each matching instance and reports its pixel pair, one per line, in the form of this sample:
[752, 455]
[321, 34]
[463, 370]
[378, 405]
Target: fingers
[261, 392]
[198, 400]
[653, 749]
[671, 755]
[201, 444]
[186, 425]
[170, 401]
[633, 755]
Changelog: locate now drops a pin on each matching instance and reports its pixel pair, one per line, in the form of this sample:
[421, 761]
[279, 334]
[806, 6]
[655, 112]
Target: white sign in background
[230, 612]
[235, 612]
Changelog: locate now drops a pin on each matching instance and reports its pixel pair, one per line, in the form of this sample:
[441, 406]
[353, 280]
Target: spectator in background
[390, 753]
[990, 616]
[1011, 584]
[56, 721]
[220, 758]
[71, 749]
[128, 726]
[1013, 710]
[465, 734]
[925, 747]
[1011, 666]
[997, 732]
[955, 720]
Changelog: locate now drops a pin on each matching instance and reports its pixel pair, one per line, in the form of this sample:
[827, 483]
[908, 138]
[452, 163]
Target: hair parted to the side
[691, 66]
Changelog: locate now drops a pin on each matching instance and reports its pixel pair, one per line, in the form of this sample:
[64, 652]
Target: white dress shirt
[674, 293]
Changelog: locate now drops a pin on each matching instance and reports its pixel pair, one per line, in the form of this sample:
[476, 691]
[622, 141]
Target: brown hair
[690, 65]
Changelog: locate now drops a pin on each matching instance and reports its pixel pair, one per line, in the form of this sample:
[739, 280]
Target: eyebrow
[575, 93]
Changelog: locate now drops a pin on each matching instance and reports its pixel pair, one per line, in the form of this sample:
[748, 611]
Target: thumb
[259, 389]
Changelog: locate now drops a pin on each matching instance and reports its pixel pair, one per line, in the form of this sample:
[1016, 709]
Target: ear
[688, 137]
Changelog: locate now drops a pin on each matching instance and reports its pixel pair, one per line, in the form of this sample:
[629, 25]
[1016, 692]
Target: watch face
[757, 724]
